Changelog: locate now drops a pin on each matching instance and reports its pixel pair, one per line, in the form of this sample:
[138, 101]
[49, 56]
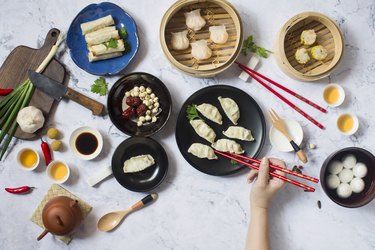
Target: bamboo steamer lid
[215, 12]
[288, 41]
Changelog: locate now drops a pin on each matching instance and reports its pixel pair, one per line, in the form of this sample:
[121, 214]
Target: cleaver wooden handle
[96, 107]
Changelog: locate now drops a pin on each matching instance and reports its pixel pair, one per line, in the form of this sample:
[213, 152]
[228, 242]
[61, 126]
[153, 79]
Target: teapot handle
[42, 235]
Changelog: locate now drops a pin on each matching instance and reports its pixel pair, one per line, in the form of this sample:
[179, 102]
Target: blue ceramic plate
[77, 44]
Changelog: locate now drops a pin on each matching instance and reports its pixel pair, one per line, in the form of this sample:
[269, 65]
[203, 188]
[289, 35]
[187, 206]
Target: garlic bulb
[30, 119]
[179, 40]
[200, 50]
[194, 20]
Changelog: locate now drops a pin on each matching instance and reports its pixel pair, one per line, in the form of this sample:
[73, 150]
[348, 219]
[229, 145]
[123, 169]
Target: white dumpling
[138, 163]
[226, 145]
[218, 34]
[230, 108]
[194, 20]
[349, 161]
[200, 50]
[179, 40]
[210, 112]
[237, 132]
[202, 151]
[332, 181]
[203, 130]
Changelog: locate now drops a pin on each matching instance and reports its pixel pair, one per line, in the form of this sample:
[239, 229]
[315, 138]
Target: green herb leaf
[233, 162]
[99, 87]
[192, 112]
[112, 43]
[127, 47]
[250, 46]
[123, 33]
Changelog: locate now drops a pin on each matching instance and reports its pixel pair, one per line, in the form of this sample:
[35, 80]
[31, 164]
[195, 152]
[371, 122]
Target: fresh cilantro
[99, 87]
[123, 33]
[127, 47]
[233, 162]
[192, 113]
[112, 43]
[249, 45]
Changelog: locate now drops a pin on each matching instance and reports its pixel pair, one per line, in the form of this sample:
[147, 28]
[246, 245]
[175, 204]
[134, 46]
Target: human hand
[266, 186]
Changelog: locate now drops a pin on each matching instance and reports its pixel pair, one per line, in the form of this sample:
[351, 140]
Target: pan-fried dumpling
[179, 40]
[203, 130]
[138, 163]
[194, 20]
[226, 145]
[230, 108]
[200, 50]
[218, 34]
[202, 151]
[210, 112]
[237, 132]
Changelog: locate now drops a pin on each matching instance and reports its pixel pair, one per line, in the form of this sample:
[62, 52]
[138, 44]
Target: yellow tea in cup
[28, 158]
[347, 124]
[333, 95]
[58, 171]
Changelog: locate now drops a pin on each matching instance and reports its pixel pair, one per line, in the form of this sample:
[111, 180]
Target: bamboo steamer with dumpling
[288, 41]
[215, 13]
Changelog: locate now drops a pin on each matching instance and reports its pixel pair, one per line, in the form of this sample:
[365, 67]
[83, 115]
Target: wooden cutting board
[14, 71]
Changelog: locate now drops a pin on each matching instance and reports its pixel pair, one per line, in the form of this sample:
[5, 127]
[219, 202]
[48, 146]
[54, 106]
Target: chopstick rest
[253, 62]
[99, 176]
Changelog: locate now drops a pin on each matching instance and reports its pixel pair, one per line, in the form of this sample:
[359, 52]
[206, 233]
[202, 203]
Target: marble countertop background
[194, 210]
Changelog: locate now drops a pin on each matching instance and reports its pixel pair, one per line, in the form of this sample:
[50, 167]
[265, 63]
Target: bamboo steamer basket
[288, 41]
[215, 12]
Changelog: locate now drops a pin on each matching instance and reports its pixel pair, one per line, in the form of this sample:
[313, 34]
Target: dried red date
[133, 101]
[128, 113]
[141, 110]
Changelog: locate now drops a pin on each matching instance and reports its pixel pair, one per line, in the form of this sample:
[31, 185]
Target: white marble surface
[194, 210]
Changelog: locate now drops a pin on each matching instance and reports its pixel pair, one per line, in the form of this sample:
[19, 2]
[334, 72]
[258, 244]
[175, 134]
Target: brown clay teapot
[61, 215]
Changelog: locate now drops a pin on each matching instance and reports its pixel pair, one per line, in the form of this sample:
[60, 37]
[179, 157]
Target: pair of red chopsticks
[256, 76]
[233, 156]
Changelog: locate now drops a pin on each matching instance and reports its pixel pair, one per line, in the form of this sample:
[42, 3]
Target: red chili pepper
[5, 91]
[46, 151]
[19, 190]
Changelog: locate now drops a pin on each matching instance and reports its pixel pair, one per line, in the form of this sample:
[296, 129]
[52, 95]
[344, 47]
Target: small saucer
[279, 141]
[73, 139]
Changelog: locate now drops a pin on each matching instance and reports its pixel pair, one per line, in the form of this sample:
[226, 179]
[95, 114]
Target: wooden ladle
[111, 220]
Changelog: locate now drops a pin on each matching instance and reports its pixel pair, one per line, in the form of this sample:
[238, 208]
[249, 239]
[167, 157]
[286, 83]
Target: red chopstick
[282, 97]
[285, 89]
[285, 170]
[296, 183]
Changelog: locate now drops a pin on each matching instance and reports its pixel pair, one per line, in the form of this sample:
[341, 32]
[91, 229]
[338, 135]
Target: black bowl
[355, 200]
[117, 93]
[147, 179]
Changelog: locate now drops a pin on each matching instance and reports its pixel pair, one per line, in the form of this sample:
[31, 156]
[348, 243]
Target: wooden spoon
[111, 220]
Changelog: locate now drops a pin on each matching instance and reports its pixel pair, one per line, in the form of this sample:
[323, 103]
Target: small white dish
[55, 169]
[279, 141]
[355, 125]
[73, 145]
[341, 93]
[28, 168]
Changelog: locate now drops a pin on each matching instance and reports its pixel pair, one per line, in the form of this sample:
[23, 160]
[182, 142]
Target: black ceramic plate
[116, 95]
[251, 117]
[144, 180]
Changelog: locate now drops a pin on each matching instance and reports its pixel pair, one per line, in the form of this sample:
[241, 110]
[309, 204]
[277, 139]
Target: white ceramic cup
[341, 94]
[49, 170]
[79, 131]
[355, 123]
[20, 163]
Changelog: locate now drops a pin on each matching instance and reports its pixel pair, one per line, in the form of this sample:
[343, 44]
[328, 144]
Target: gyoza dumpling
[237, 132]
[179, 40]
[202, 151]
[230, 108]
[194, 20]
[200, 50]
[218, 34]
[203, 130]
[226, 145]
[210, 112]
[138, 163]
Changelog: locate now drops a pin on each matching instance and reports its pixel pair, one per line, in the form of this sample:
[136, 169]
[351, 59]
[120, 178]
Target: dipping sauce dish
[86, 143]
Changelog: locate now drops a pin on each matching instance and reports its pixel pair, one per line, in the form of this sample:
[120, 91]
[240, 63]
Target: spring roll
[93, 58]
[104, 30]
[97, 24]
[102, 37]
[101, 49]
